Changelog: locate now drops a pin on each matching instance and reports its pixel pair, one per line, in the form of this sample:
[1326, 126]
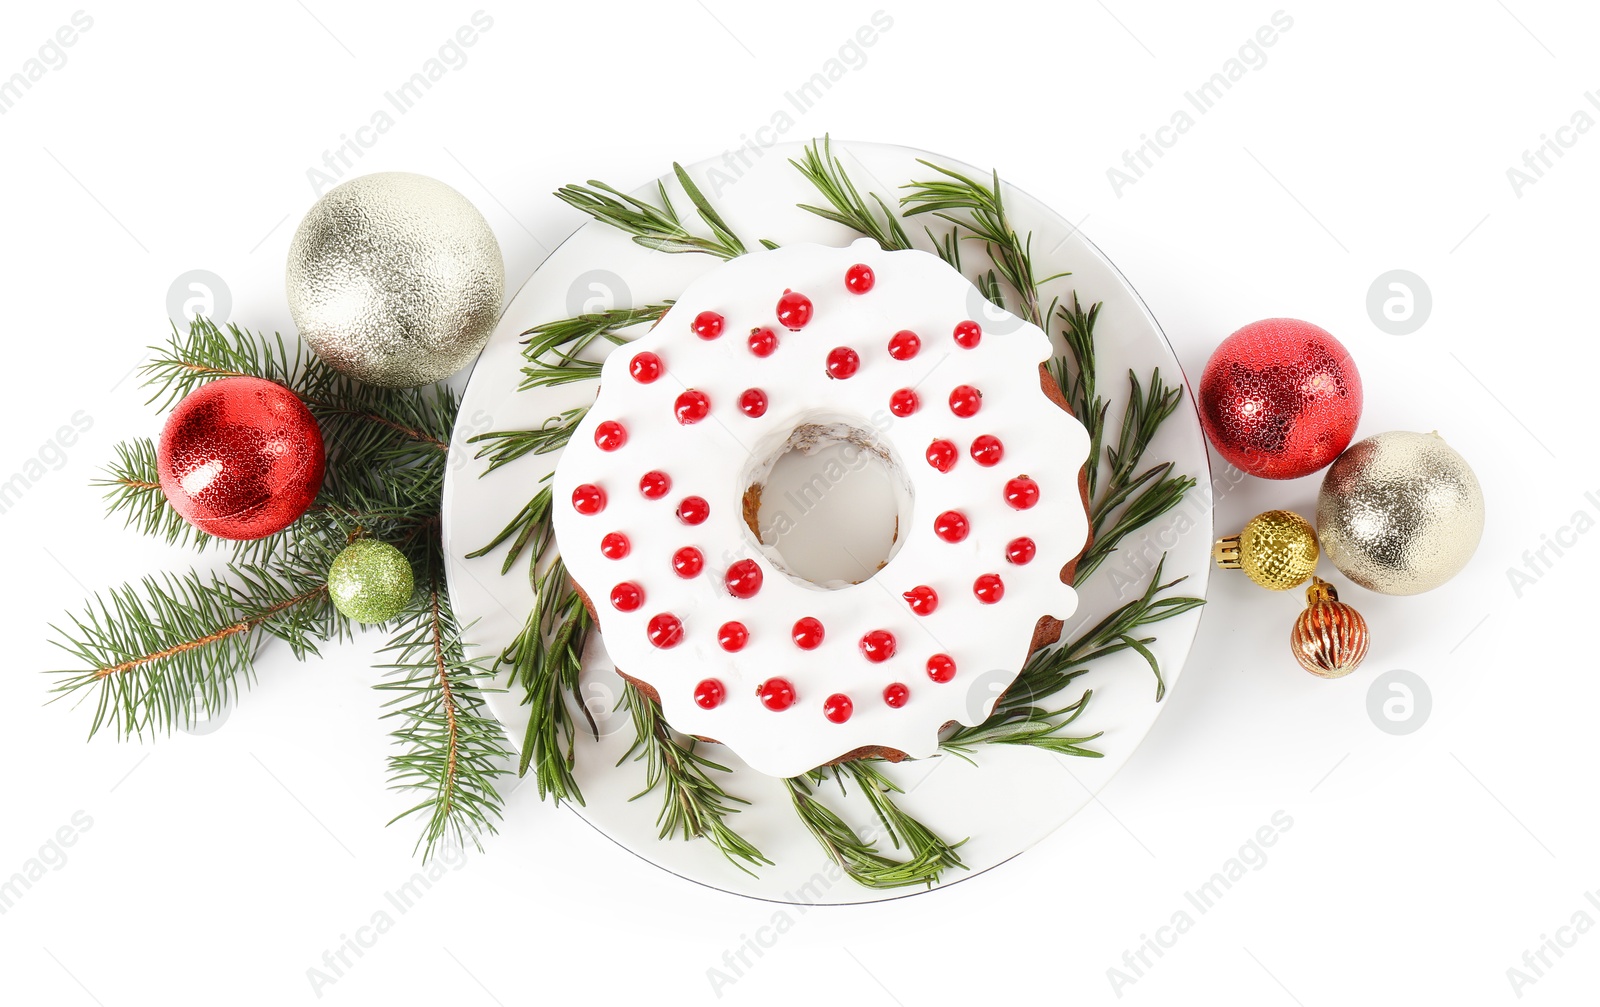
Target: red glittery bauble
[241, 458]
[1280, 398]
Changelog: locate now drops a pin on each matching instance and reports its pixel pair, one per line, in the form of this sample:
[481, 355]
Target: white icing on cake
[719, 457]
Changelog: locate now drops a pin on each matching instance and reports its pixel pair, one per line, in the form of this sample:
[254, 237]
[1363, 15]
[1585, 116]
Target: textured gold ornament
[1329, 638]
[395, 279]
[1277, 549]
[1400, 512]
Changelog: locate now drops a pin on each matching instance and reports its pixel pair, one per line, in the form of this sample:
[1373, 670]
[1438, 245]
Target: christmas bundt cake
[795, 349]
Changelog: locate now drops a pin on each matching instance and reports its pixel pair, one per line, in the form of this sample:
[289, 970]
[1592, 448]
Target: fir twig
[827, 174]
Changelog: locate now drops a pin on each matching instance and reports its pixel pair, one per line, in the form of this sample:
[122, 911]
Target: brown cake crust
[1045, 632]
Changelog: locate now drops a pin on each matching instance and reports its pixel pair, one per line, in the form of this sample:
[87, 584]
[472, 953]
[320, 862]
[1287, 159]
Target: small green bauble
[370, 581]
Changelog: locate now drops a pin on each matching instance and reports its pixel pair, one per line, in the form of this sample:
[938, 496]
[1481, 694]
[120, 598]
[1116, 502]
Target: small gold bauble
[1330, 638]
[1277, 549]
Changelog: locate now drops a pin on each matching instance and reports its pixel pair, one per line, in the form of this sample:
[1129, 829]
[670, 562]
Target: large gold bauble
[1277, 549]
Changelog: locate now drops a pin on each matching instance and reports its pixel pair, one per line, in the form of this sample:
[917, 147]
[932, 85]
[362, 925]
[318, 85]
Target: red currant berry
[1022, 492]
[967, 334]
[688, 562]
[693, 510]
[878, 646]
[733, 636]
[709, 694]
[965, 400]
[941, 667]
[858, 279]
[1020, 550]
[903, 345]
[707, 325]
[588, 499]
[753, 403]
[922, 599]
[843, 362]
[610, 435]
[942, 455]
[904, 402]
[989, 588]
[776, 694]
[794, 310]
[952, 526]
[896, 694]
[838, 708]
[691, 406]
[987, 450]
[645, 367]
[655, 484]
[615, 545]
[763, 342]
[627, 596]
[664, 630]
[807, 633]
[744, 578]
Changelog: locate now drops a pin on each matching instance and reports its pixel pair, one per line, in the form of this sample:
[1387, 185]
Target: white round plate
[1014, 796]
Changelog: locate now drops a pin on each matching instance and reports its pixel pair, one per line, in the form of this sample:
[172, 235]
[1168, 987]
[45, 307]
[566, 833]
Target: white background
[1376, 136]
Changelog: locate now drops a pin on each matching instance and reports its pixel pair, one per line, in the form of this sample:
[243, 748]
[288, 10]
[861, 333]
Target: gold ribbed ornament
[1329, 638]
[1277, 549]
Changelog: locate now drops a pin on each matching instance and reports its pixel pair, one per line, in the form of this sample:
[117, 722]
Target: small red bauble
[762, 342]
[903, 345]
[707, 325]
[693, 510]
[987, 450]
[904, 402]
[691, 406]
[837, 708]
[744, 578]
[922, 599]
[753, 403]
[709, 694]
[952, 526]
[664, 630]
[965, 401]
[627, 596]
[942, 454]
[1020, 550]
[858, 279]
[1022, 492]
[989, 588]
[645, 367]
[610, 435]
[588, 499]
[878, 646]
[896, 694]
[941, 667]
[968, 334]
[241, 458]
[688, 562]
[655, 484]
[776, 694]
[732, 636]
[794, 310]
[615, 545]
[843, 362]
[807, 633]
[1280, 398]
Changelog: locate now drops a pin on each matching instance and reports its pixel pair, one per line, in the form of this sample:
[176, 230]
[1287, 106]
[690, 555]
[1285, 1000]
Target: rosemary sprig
[546, 660]
[553, 349]
[693, 804]
[505, 446]
[827, 173]
[1016, 721]
[655, 227]
[930, 856]
[530, 526]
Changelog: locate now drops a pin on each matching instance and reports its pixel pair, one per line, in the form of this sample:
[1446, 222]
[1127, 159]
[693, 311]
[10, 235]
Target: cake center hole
[830, 504]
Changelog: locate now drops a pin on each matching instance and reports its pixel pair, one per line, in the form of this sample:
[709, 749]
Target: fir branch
[172, 650]
[654, 227]
[860, 859]
[451, 748]
[827, 174]
[693, 804]
[546, 660]
[554, 349]
[132, 485]
[506, 446]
